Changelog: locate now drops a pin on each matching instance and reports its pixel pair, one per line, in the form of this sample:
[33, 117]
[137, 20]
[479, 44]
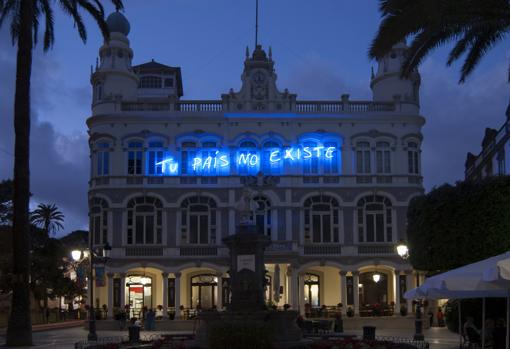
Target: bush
[247, 335]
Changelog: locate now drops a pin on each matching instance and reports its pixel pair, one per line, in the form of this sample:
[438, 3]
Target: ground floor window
[139, 294]
[203, 291]
[312, 290]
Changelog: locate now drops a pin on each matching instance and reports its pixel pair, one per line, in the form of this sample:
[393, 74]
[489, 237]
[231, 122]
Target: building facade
[330, 184]
[494, 159]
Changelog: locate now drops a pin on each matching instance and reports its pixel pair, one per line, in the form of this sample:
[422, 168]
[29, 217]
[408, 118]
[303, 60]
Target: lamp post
[102, 255]
[403, 252]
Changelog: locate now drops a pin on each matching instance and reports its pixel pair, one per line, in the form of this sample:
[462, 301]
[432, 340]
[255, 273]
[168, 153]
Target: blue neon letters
[223, 162]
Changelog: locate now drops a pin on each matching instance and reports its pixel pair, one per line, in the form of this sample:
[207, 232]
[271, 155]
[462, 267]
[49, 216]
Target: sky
[320, 50]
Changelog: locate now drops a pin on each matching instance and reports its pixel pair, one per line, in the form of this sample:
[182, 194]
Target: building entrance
[203, 291]
[139, 293]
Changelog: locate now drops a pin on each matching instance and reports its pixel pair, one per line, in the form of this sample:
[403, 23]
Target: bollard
[134, 334]
[369, 333]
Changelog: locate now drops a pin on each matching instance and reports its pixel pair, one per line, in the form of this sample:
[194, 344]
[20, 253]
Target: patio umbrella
[488, 278]
[276, 283]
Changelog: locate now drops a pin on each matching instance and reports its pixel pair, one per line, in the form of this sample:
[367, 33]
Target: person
[499, 334]
[149, 320]
[471, 331]
[430, 314]
[122, 320]
[137, 322]
[489, 331]
[440, 317]
[159, 312]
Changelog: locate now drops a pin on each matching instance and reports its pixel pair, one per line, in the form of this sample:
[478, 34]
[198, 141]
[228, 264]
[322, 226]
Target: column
[397, 291]
[123, 291]
[301, 292]
[164, 277]
[110, 295]
[219, 291]
[177, 295]
[409, 285]
[343, 291]
[355, 281]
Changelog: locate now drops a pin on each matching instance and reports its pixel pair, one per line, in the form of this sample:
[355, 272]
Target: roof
[158, 68]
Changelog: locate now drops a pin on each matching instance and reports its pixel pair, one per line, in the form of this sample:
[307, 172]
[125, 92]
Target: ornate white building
[332, 181]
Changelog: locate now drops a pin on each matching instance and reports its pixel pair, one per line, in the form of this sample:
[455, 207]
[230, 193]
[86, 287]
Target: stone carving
[245, 206]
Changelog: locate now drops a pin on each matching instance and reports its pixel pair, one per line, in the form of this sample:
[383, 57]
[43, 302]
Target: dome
[117, 22]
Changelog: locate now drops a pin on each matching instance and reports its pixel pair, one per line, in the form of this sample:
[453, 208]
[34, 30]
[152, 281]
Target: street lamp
[376, 277]
[99, 255]
[403, 250]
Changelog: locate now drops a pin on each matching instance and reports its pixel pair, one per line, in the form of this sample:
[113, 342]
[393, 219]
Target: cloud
[457, 116]
[59, 164]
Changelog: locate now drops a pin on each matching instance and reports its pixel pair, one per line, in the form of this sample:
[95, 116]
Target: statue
[245, 207]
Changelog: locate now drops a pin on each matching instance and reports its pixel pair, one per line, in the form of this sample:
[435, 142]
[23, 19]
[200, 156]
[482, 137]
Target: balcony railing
[199, 251]
[300, 106]
[322, 250]
[280, 246]
[376, 249]
[143, 251]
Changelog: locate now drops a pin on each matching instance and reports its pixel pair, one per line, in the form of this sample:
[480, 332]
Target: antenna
[256, 23]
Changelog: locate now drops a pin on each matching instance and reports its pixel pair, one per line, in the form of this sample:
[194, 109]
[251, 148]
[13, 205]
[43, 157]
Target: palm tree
[48, 217]
[474, 26]
[25, 16]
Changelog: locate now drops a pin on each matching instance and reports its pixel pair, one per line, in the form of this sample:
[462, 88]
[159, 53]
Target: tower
[113, 79]
[387, 84]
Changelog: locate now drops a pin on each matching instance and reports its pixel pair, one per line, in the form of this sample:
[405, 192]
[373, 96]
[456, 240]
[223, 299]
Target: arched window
[322, 220]
[412, 158]
[99, 221]
[311, 164]
[198, 220]
[102, 149]
[135, 154]
[262, 215]
[188, 153]
[150, 82]
[312, 289]
[363, 158]
[375, 221]
[144, 220]
[271, 158]
[155, 156]
[330, 158]
[248, 158]
[383, 157]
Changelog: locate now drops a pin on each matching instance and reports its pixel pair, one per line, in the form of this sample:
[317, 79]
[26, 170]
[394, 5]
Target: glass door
[139, 293]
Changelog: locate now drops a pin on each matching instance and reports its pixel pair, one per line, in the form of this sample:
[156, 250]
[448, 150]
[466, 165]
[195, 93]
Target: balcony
[143, 251]
[321, 250]
[199, 251]
[376, 250]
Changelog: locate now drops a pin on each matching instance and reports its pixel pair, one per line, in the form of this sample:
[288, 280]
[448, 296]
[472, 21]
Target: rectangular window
[204, 229]
[331, 163]
[326, 228]
[97, 229]
[412, 162]
[155, 157]
[139, 230]
[149, 229]
[134, 163]
[316, 228]
[193, 229]
[379, 227]
[383, 161]
[370, 227]
[363, 161]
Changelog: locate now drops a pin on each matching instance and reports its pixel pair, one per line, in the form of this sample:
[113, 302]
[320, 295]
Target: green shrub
[246, 335]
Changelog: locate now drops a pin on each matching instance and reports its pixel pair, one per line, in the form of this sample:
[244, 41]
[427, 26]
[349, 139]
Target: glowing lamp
[76, 254]
[403, 250]
[376, 277]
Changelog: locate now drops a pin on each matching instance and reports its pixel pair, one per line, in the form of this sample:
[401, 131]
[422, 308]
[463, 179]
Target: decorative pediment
[258, 91]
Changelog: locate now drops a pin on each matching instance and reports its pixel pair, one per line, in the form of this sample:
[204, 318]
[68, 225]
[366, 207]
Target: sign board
[246, 261]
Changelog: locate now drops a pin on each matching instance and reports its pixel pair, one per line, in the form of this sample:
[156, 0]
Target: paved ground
[439, 338]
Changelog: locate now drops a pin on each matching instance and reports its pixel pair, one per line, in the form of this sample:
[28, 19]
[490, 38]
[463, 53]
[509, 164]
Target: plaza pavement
[439, 338]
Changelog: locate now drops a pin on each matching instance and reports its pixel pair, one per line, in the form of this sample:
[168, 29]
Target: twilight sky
[320, 49]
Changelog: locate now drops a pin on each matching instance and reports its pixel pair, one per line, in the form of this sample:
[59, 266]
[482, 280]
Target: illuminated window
[135, 158]
[102, 158]
[188, 152]
[155, 156]
[149, 82]
[412, 158]
[383, 157]
[144, 221]
[312, 289]
[198, 221]
[99, 221]
[322, 221]
[262, 215]
[311, 165]
[331, 158]
[248, 159]
[271, 153]
[363, 158]
[375, 221]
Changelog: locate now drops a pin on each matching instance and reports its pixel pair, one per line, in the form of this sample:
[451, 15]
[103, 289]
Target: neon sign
[224, 162]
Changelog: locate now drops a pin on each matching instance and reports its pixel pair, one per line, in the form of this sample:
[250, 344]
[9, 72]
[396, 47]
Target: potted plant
[403, 310]
[350, 312]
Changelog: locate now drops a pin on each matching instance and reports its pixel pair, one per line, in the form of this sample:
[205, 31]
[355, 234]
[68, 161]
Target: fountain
[247, 275]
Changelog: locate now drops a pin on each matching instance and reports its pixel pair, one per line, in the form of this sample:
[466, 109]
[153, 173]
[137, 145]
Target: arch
[417, 136]
[97, 136]
[321, 193]
[321, 137]
[373, 134]
[271, 136]
[390, 196]
[150, 193]
[199, 264]
[196, 193]
[143, 136]
[272, 196]
[134, 265]
[245, 136]
[198, 138]
[388, 265]
[101, 196]
[321, 263]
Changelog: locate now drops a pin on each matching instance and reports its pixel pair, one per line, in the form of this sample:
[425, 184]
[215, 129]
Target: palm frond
[49, 36]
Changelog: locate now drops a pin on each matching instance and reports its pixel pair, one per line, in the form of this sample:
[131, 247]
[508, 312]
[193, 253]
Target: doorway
[139, 293]
[203, 291]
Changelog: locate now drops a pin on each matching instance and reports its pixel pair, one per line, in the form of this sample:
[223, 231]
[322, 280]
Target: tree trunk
[19, 331]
